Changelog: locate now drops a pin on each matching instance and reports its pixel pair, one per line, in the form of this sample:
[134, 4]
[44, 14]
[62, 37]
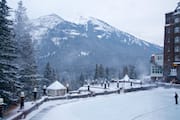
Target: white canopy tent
[56, 89]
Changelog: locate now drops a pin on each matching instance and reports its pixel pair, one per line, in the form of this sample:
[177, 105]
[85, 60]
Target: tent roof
[126, 77]
[56, 86]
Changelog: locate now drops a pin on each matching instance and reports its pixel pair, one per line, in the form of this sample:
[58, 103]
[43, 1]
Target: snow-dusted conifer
[8, 75]
[48, 73]
[26, 59]
[96, 75]
[101, 71]
[81, 79]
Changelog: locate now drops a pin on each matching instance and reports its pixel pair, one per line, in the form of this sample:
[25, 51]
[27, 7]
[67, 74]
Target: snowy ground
[155, 104]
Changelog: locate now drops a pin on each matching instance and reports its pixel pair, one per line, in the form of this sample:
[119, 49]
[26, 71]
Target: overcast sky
[141, 18]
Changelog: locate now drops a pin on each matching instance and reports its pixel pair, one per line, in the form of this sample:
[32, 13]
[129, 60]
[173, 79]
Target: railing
[23, 114]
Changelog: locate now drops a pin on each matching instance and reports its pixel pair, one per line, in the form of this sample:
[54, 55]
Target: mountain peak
[54, 16]
[100, 25]
[48, 21]
[42, 24]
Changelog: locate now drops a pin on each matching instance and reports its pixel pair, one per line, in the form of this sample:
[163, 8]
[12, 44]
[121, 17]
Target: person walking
[176, 98]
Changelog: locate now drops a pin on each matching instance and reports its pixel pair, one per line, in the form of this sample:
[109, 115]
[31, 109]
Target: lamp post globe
[35, 93]
[1, 107]
[22, 100]
[44, 90]
[88, 87]
[67, 88]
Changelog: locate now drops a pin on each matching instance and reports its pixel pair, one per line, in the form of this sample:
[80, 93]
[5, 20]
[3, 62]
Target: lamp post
[67, 88]
[118, 84]
[108, 84]
[141, 83]
[88, 87]
[131, 84]
[35, 93]
[1, 107]
[22, 100]
[105, 86]
[44, 90]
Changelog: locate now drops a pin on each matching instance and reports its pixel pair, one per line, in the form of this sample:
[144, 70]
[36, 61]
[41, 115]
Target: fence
[24, 113]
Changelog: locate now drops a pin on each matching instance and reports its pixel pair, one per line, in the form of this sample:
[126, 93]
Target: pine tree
[101, 71]
[81, 79]
[8, 75]
[132, 72]
[119, 75]
[26, 59]
[125, 70]
[50, 74]
[96, 76]
[54, 75]
[107, 73]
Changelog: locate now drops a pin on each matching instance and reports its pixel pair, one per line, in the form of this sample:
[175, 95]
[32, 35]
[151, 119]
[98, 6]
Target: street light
[44, 90]
[1, 107]
[108, 84]
[118, 84]
[67, 88]
[35, 93]
[131, 83]
[22, 100]
[105, 86]
[88, 87]
[141, 83]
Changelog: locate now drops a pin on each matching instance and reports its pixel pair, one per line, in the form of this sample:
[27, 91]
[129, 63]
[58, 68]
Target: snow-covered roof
[56, 86]
[126, 78]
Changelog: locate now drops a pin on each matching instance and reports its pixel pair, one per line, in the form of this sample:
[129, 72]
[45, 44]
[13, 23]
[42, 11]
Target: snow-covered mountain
[79, 46]
[41, 25]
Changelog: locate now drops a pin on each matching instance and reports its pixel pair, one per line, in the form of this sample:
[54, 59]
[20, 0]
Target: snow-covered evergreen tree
[96, 75]
[107, 74]
[26, 59]
[125, 70]
[132, 72]
[101, 71]
[81, 79]
[8, 75]
[49, 74]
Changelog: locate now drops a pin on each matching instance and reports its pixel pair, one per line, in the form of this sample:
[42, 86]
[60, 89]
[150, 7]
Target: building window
[168, 30]
[177, 58]
[177, 39]
[168, 50]
[156, 70]
[176, 49]
[168, 20]
[159, 57]
[176, 20]
[177, 30]
[168, 40]
[169, 59]
[173, 72]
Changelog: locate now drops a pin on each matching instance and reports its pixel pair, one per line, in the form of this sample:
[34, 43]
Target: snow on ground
[155, 104]
[97, 88]
[43, 109]
[27, 105]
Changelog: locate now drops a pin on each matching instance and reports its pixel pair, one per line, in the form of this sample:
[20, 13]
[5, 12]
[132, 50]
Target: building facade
[172, 45]
[156, 71]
